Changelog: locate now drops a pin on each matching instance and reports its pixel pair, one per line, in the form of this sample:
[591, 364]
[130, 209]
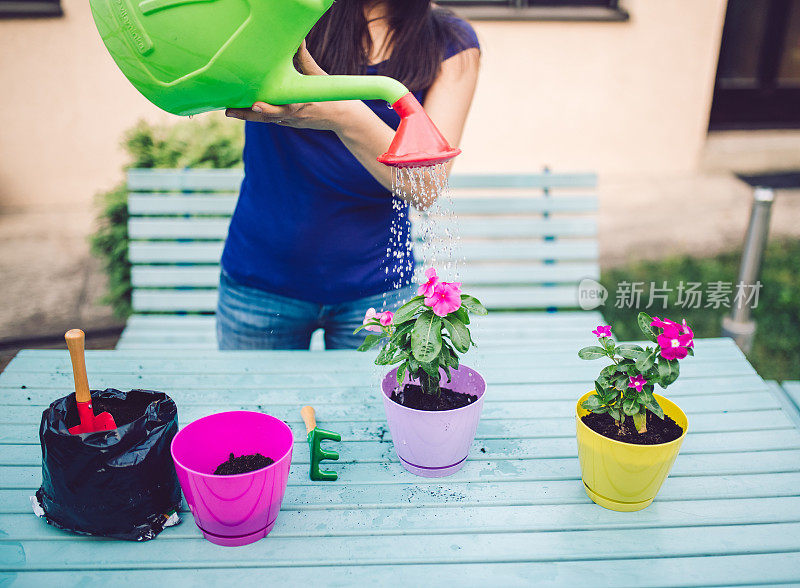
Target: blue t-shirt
[311, 223]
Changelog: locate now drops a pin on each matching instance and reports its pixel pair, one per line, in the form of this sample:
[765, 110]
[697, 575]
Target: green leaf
[384, 355]
[644, 321]
[462, 315]
[426, 338]
[630, 405]
[400, 355]
[459, 334]
[593, 352]
[607, 393]
[615, 414]
[630, 346]
[668, 371]
[370, 341]
[447, 371]
[448, 355]
[608, 371]
[408, 310]
[646, 360]
[640, 421]
[621, 382]
[432, 369]
[629, 351]
[401, 373]
[630, 369]
[473, 305]
[400, 333]
[592, 403]
[653, 406]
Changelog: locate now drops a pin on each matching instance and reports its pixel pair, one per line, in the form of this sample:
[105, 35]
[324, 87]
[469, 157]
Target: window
[538, 9]
[31, 8]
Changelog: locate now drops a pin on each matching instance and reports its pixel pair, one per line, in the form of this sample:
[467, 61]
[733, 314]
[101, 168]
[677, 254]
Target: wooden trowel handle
[75, 340]
[309, 418]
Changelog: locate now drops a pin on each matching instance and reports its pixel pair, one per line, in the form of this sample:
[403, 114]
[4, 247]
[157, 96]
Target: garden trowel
[315, 436]
[89, 423]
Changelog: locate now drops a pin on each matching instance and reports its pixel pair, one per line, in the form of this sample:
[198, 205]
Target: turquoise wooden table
[515, 515]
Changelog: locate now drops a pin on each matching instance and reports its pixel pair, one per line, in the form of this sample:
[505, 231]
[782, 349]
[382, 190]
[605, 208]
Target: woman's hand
[324, 116]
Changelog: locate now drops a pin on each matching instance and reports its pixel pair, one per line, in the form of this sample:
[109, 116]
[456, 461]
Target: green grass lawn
[776, 350]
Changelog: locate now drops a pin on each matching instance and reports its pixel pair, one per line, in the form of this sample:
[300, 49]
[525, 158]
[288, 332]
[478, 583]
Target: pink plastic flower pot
[239, 509]
[435, 444]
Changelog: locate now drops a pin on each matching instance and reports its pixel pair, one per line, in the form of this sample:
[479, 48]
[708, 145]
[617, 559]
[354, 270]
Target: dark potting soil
[124, 411]
[658, 431]
[243, 464]
[412, 396]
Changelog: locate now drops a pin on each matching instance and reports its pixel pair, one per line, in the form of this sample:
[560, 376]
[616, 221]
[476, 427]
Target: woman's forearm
[366, 136]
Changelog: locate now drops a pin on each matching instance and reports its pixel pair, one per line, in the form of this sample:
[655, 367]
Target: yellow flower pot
[624, 476]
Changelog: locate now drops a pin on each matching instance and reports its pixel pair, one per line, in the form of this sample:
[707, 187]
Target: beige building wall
[628, 97]
[606, 96]
[63, 108]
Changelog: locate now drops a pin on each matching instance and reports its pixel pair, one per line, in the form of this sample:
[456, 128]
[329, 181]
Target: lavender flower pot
[434, 444]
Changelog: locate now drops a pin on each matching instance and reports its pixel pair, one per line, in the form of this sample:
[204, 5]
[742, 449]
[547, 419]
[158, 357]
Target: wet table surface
[516, 514]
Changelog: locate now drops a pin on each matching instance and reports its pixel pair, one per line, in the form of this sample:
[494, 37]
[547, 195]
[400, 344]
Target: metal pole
[739, 326]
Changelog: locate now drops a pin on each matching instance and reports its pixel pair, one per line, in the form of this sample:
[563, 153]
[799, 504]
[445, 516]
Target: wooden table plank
[311, 378]
[389, 471]
[531, 356]
[248, 396]
[413, 494]
[532, 409]
[193, 554]
[741, 570]
[482, 519]
[494, 424]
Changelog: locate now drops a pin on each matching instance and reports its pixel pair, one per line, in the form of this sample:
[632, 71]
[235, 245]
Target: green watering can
[192, 56]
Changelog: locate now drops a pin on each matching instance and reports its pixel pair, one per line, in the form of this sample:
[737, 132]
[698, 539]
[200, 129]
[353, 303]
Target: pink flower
[687, 331]
[371, 316]
[385, 318]
[662, 323]
[446, 298]
[673, 342]
[602, 331]
[428, 287]
[637, 382]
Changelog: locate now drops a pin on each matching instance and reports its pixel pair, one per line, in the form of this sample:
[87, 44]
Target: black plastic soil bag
[118, 483]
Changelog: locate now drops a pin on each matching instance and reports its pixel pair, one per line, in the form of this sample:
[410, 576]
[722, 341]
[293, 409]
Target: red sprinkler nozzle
[417, 142]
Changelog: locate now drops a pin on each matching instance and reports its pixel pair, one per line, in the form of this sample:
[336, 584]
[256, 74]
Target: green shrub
[110, 244]
[776, 346]
[207, 142]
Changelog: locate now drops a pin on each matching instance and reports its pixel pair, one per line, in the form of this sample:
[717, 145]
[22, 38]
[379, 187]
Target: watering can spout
[417, 143]
[293, 86]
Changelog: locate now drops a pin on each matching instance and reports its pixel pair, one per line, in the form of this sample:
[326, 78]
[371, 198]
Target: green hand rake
[315, 436]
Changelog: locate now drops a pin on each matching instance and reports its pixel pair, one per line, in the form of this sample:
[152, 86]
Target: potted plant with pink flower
[629, 436]
[432, 422]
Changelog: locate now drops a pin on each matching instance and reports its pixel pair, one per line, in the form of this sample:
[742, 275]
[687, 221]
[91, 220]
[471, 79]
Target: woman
[307, 244]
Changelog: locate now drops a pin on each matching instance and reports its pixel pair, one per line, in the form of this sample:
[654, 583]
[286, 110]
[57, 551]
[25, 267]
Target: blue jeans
[249, 318]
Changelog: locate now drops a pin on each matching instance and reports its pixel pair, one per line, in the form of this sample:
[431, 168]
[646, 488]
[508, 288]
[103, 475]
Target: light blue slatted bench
[792, 390]
[527, 241]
